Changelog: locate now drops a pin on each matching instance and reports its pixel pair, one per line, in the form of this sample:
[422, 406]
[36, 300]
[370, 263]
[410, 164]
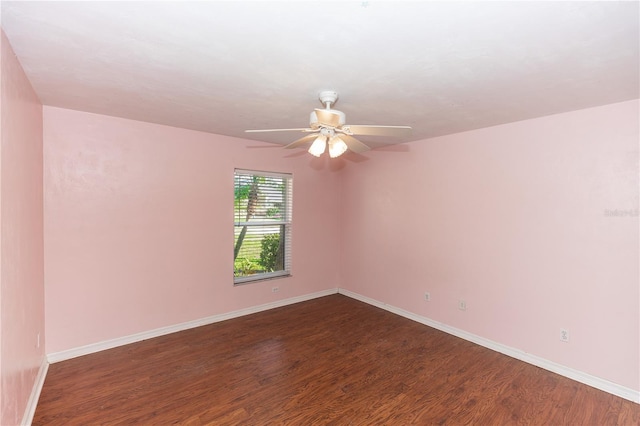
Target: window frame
[285, 223]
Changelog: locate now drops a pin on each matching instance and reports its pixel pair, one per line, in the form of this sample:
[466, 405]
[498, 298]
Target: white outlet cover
[427, 296]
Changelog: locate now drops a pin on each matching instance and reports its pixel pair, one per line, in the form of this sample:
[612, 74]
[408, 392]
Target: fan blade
[301, 141]
[327, 118]
[365, 130]
[354, 144]
[279, 130]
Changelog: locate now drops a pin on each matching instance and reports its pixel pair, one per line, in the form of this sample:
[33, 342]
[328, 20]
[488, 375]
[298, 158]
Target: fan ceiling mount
[327, 127]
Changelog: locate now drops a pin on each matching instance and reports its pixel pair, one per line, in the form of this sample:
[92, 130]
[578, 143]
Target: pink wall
[21, 239]
[138, 224]
[512, 220]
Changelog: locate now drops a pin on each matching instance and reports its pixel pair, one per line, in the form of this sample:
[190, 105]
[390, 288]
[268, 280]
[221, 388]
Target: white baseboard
[108, 344]
[30, 410]
[579, 376]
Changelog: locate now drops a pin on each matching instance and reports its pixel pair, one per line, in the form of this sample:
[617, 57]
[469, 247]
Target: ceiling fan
[327, 127]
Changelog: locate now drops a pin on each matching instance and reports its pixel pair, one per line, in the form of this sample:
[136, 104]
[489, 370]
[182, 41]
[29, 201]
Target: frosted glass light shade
[337, 147]
[318, 146]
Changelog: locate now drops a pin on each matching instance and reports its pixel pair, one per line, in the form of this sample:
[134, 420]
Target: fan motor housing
[313, 119]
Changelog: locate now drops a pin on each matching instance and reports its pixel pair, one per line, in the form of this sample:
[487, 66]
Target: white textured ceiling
[223, 67]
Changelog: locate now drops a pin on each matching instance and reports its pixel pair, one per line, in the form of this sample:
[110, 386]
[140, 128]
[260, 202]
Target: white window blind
[262, 225]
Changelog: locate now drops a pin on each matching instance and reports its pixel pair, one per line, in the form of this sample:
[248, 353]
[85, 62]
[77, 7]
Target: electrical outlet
[462, 305]
[275, 289]
[38, 341]
[427, 296]
[564, 335]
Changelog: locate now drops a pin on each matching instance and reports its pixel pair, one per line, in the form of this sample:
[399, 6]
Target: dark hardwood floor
[332, 360]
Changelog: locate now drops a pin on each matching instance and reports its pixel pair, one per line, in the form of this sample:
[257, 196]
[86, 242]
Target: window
[262, 225]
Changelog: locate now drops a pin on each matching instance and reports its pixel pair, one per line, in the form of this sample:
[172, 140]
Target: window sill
[262, 277]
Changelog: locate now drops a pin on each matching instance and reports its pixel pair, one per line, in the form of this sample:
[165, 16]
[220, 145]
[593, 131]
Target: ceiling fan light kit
[328, 125]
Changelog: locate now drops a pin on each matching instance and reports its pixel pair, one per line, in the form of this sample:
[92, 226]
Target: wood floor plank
[328, 361]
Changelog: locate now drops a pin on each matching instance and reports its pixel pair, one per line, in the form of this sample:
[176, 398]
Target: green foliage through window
[270, 255]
